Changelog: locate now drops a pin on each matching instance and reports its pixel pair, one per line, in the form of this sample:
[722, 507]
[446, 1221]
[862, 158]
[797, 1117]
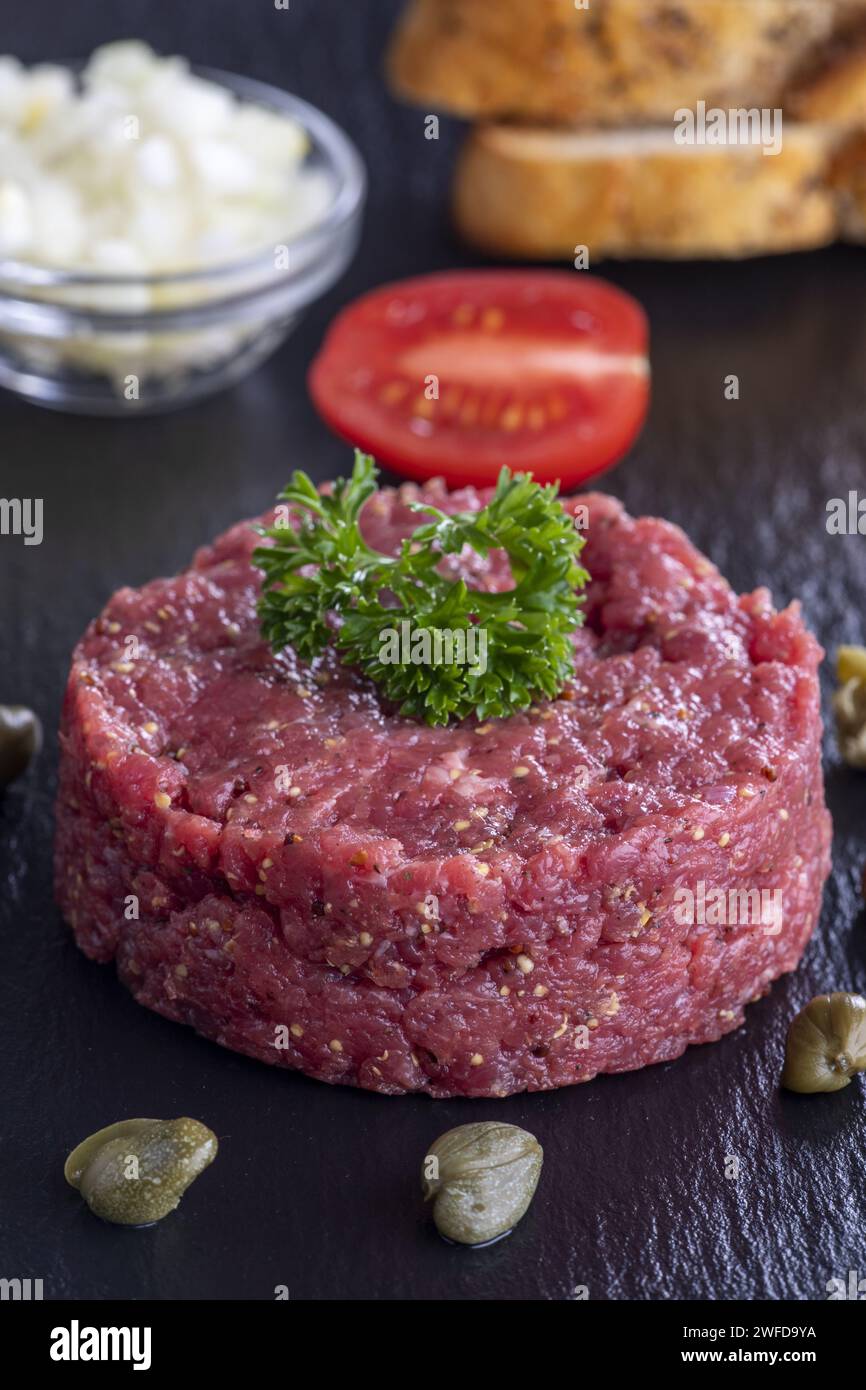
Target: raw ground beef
[471, 910]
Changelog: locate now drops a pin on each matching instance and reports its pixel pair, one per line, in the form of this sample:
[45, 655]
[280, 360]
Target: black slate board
[317, 1188]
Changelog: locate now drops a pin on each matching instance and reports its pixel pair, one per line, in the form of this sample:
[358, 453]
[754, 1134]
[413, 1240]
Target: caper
[481, 1179]
[136, 1171]
[20, 740]
[849, 705]
[826, 1043]
[851, 663]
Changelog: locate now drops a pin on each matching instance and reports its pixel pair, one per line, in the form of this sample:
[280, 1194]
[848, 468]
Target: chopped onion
[144, 168]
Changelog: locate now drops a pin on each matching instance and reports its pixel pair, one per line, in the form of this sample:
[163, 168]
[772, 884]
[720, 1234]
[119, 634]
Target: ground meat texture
[471, 910]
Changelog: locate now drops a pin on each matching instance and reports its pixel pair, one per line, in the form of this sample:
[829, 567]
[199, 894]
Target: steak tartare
[274, 857]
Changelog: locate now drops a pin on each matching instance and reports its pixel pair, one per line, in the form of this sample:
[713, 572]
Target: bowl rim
[344, 161]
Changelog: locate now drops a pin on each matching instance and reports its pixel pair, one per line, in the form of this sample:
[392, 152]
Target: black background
[318, 1188]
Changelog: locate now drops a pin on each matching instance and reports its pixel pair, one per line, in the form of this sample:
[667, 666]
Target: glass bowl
[96, 344]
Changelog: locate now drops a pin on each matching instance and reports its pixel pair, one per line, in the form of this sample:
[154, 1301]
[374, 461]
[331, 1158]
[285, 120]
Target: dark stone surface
[318, 1188]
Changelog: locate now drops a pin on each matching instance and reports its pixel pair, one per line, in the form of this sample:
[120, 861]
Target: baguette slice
[848, 180]
[835, 90]
[540, 194]
[617, 62]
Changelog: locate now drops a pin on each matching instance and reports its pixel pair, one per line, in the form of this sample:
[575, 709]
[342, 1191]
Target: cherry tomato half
[456, 374]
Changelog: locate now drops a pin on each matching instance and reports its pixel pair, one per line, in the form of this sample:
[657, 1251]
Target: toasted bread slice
[616, 62]
[834, 89]
[541, 194]
[847, 178]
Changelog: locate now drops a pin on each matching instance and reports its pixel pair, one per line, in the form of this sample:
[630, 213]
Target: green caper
[826, 1043]
[481, 1179]
[20, 740]
[849, 705]
[136, 1171]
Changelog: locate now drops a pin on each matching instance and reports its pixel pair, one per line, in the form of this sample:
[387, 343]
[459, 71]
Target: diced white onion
[144, 167]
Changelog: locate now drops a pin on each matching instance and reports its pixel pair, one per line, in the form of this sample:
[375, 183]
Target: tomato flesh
[455, 374]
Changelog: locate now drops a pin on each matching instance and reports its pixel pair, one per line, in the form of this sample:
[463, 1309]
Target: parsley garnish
[324, 585]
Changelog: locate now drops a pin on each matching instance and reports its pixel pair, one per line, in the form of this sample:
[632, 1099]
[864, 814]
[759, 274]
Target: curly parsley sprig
[325, 585]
